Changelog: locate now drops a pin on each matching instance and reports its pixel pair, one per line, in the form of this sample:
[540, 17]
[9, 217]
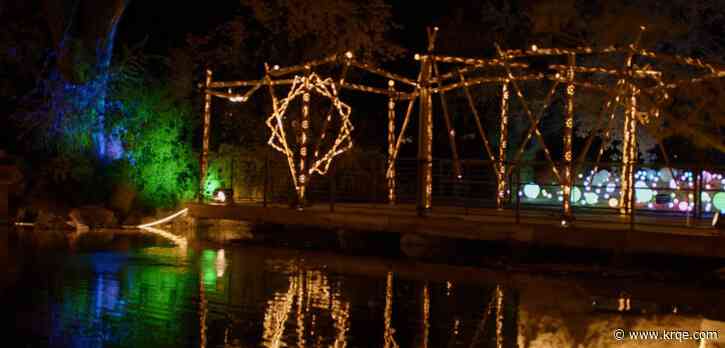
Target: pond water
[161, 295]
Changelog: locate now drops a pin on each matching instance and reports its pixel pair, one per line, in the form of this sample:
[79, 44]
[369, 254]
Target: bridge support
[629, 153]
[203, 161]
[390, 175]
[424, 199]
[425, 151]
[502, 144]
[567, 177]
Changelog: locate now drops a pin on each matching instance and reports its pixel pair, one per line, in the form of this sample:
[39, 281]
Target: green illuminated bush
[158, 140]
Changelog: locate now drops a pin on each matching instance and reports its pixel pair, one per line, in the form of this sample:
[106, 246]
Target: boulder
[93, 216]
[49, 221]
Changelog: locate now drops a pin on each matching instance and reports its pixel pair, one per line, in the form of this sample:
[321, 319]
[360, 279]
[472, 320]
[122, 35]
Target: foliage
[158, 141]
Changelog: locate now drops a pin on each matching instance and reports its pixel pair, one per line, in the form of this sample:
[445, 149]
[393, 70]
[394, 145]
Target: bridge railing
[680, 195]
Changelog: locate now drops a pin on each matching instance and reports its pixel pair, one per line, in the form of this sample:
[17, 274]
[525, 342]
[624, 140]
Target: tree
[284, 32]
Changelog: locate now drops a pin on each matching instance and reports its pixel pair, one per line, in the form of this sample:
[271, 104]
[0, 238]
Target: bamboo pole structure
[629, 143]
[629, 153]
[424, 200]
[502, 146]
[641, 90]
[534, 121]
[390, 174]
[450, 130]
[479, 126]
[568, 132]
[205, 137]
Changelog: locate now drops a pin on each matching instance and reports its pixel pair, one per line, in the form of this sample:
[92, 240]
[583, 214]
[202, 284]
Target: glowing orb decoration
[665, 174]
[591, 198]
[683, 206]
[706, 176]
[613, 202]
[576, 194]
[220, 196]
[532, 191]
[611, 187]
[601, 178]
[705, 197]
[673, 184]
[644, 194]
[718, 200]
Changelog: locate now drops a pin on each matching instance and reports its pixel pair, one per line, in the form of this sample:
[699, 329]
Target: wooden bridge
[580, 201]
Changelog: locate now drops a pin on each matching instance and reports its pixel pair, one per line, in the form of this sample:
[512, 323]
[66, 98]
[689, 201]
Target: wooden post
[425, 133]
[502, 144]
[518, 198]
[629, 153]
[567, 174]
[390, 174]
[333, 187]
[304, 133]
[203, 162]
[266, 178]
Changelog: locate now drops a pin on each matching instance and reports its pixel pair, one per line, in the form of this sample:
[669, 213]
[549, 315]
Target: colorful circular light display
[576, 194]
[532, 191]
[719, 201]
[643, 194]
[613, 202]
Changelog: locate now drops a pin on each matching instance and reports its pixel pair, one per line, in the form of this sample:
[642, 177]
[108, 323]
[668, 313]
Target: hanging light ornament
[319, 162]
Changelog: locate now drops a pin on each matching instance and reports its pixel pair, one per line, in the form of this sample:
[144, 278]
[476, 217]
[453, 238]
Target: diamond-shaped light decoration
[320, 159]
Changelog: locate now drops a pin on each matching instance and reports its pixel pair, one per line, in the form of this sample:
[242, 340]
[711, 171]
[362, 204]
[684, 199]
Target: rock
[93, 216]
[122, 198]
[49, 221]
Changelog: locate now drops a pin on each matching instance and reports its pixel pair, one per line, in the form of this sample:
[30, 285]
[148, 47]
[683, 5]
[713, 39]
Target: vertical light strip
[390, 174]
[429, 150]
[568, 130]
[305, 125]
[629, 153]
[503, 143]
[205, 138]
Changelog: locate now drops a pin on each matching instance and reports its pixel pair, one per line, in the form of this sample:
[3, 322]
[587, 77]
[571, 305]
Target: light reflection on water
[270, 297]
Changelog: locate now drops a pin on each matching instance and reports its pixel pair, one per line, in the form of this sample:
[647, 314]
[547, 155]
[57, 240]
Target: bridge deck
[649, 234]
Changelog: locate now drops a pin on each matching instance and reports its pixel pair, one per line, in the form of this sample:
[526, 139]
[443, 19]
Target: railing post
[633, 200]
[466, 189]
[518, 198]
[567, 177]
[375, 182]
[698, 193]
[266, 178]
[331, 175]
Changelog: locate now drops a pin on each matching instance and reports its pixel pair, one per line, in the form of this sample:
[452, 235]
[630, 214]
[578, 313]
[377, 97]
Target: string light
[568, 131]
[629, 153]
[320, 164]
[502, 145]
[641, 107]
[390, 174]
